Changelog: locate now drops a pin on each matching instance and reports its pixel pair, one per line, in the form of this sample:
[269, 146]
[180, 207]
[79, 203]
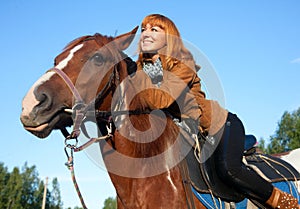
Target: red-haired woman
[166, 77]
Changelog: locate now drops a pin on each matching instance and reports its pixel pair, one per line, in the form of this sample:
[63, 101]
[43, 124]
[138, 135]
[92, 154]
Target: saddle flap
[273, 169]
[205, 179]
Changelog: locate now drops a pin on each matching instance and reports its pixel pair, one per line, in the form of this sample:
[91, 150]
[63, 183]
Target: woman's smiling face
[153, 38]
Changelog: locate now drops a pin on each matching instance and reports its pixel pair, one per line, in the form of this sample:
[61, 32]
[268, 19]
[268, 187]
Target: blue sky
[254, 47]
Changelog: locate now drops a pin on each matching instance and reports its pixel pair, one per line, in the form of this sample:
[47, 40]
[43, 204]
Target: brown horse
[143, 155]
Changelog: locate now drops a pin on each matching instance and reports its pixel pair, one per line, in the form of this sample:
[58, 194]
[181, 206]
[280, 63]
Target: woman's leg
[229, 154]
[229, 162]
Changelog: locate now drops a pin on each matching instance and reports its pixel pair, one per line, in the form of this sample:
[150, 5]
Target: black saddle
[205, 179]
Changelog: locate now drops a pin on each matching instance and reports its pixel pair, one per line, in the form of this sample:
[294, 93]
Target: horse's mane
[101, 39]
[76, 42]
[160, 135]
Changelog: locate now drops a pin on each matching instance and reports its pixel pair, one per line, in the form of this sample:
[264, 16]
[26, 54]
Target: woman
[167, 79]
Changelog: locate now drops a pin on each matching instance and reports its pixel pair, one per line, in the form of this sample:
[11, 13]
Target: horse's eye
[97, 59]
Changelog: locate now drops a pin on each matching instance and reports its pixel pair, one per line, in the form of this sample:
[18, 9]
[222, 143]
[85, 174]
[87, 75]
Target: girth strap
[187, 184]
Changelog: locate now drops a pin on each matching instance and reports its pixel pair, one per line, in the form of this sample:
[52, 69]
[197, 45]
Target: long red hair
[175, 50]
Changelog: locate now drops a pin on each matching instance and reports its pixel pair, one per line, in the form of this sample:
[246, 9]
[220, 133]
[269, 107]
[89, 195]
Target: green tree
[30, 184]
[54, 196]
[4, 176]
[287, 134]
[13, 189]
[24, 190]
[110, 203]
[262, 145]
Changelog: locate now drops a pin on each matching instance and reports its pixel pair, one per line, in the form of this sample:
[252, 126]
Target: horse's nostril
[42, 98]
[44, 101]
[24, 118]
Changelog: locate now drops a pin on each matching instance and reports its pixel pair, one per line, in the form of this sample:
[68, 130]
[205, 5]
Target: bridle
[79, 111]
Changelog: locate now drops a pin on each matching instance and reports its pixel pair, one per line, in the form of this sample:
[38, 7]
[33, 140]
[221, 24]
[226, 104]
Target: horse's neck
[147, 169]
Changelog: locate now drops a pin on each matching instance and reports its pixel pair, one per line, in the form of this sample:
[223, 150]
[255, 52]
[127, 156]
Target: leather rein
[79, 111]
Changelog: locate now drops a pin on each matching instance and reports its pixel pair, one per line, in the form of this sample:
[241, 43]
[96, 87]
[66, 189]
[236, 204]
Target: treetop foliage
[287, 134]
[22, 189]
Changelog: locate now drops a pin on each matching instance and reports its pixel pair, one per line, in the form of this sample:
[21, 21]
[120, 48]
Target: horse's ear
[124, 40]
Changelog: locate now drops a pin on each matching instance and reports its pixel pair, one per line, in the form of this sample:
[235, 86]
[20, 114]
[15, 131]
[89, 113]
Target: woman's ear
[123, 41]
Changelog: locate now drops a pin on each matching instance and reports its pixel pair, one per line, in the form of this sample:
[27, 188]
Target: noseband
[80, 108]
[69, 83]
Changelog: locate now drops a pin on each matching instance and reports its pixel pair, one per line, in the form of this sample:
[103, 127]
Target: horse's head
[80, 72]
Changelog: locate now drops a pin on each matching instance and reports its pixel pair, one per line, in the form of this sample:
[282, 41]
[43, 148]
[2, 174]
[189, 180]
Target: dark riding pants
[230, 168]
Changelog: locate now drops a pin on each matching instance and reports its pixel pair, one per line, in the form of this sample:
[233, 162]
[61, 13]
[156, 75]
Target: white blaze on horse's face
[30, 101]
[65, 61]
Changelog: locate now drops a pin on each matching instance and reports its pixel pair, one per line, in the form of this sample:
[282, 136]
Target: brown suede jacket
[180, 92]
